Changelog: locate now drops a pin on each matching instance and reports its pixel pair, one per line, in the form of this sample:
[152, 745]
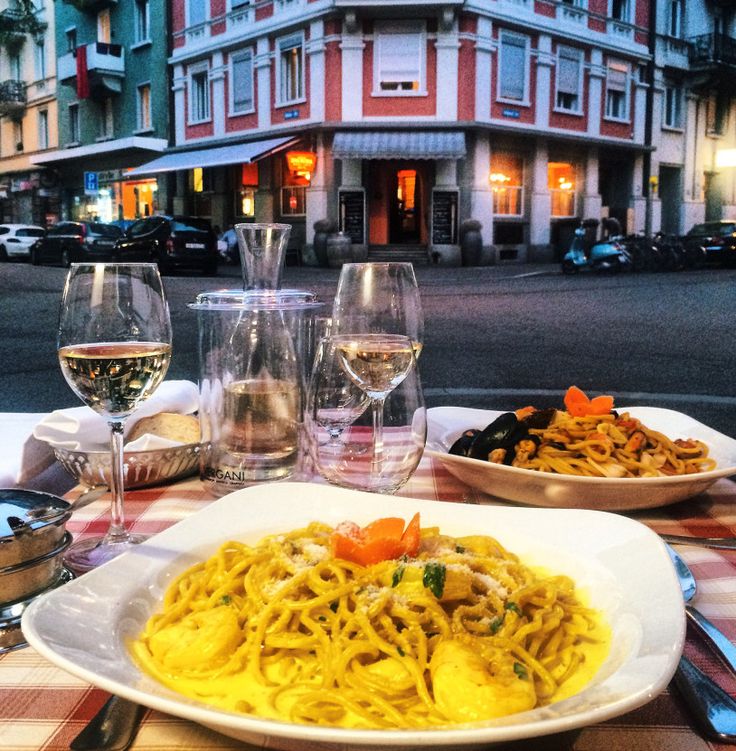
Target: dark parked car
[70, 242]
[174, 242]
[718, 239]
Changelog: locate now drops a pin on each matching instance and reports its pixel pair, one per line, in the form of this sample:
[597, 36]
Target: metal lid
[238, 299]
[24, 510]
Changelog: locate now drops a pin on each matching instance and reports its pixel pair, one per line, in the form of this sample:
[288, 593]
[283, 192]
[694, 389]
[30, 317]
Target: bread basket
[141, 468]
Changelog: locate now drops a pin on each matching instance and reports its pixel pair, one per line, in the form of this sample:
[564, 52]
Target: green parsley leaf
[401, 652]
[495, 625]
[520, 670]
[434, 578]
[513, 606]
[459, 549]
[397, 576]
[322, 618]
[225, 600]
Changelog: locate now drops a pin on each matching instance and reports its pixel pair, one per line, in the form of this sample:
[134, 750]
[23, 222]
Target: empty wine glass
[379, 298]
[357, 458]
[334, 401]
[114, 346]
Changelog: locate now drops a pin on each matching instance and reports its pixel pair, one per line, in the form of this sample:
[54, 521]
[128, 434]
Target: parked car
[70, 242]
[16, 240]
[718, 239]
[174, 242]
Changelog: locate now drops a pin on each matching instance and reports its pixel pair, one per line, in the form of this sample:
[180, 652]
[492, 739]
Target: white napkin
[22, 457]
[82, 429]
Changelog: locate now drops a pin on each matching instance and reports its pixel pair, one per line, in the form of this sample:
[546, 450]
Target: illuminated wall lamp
[301, 163]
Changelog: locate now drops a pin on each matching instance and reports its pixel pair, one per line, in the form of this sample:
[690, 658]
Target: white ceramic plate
[446, 424]
[620, 565]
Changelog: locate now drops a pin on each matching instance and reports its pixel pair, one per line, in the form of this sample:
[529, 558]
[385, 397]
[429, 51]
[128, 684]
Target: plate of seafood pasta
[300, 615]
[616, 460]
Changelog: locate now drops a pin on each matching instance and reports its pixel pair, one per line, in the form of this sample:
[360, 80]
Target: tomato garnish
[578, 404]
[382, 540]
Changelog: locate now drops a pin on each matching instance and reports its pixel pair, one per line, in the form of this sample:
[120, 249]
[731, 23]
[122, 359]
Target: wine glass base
[93, 552]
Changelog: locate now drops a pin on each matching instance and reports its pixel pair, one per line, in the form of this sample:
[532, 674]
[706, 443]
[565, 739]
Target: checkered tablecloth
[42, 707]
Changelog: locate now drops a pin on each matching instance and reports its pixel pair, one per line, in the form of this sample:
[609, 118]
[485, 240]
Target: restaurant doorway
[398, 203]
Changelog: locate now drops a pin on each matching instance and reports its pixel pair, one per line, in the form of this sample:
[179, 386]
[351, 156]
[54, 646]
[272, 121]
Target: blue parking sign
[91, 183]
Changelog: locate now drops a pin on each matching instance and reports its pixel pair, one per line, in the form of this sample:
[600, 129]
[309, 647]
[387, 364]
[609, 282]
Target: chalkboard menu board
[352, 215]
[444, 217]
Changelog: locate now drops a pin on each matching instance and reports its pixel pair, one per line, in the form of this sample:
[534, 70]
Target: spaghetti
[457, 630]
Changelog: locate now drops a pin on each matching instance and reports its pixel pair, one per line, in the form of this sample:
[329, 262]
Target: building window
[717, 114]
[18, 135]
[561, 183]
[74, 123]
[513, 67]
[617, 91]
[673, 107]
[40, 59]
[144, 107]
[196, 12]
[104, 30]
[241, 82]
[199, 95]
[294, 200]
[290, 62]
[507, 184]
[620, 10]
[43, 129]
[399, 57]
[142, 30]
[569, 79]
[15, 66]
[675, 20]
[105, 128]
[71, 39]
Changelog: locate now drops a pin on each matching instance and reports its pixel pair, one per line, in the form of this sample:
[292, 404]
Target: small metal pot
[32, 539]
[27, 579]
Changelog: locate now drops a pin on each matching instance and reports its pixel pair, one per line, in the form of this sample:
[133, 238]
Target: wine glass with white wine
[114, 346]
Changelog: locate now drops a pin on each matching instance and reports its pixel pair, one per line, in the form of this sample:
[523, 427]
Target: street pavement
[495, 337]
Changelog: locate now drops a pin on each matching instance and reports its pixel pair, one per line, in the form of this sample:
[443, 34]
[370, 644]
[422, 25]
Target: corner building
[399, 121]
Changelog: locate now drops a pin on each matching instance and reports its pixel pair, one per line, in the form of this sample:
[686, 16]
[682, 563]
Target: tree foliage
[19, 18]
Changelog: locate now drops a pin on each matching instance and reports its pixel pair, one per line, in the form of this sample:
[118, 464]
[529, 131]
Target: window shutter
[399, 56]
[513, 67]
[568, 72]
[242, 83]
[616, 76]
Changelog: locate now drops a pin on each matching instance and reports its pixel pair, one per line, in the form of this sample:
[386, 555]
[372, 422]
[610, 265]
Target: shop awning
[129, 145]
[216, 156]
[423, 144]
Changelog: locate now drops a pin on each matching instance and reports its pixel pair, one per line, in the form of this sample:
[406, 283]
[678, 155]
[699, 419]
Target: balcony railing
[12, 97]
[105, 68]
[709, 50]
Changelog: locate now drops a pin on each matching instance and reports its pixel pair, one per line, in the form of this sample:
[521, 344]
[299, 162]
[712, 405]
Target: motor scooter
[606, 254]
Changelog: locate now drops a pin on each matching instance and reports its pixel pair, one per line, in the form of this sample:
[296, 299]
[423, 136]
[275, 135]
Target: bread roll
[169, 425]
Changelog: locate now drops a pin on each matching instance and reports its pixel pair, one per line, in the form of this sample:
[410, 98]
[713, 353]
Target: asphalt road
[496, 337]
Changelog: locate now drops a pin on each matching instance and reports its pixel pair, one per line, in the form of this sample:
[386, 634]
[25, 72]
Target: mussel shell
[540, 419]
[504, 432]
[462, 445]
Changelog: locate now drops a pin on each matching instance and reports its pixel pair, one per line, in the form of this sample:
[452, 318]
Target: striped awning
[423, 144]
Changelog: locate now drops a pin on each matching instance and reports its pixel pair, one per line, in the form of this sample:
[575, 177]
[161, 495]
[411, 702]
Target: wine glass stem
[117, 531]
[377, 410]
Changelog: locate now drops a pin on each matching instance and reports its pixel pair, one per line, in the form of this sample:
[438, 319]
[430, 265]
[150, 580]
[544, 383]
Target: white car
[16, 240]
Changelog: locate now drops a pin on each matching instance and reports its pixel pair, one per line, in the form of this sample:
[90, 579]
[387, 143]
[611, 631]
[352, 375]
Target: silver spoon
[717, 640]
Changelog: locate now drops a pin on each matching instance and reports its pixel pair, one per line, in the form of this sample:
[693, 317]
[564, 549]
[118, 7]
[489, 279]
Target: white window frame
[106, 125]
[142, 13]
[570, 53]
[16, 68]
[197, 71]
[18, 136]
[235, 57]
[285, 45]
[383, 76]
[672, 100]
[43, 129]
[676, 13]
[39, 61]
[70, 35]
[141, 125]
[626, 6]
[512, 35]
[508, 189]
[301, 192]
[618, 66]
[188, 22]
[75, 134]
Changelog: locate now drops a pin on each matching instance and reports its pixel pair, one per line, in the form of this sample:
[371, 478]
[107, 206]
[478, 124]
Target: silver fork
[113, 728]
[719, 543]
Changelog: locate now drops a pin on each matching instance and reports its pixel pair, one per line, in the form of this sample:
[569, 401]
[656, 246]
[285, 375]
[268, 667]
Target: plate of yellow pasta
[299, 615]
[619, 460]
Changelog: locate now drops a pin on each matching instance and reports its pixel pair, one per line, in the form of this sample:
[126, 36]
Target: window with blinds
[568, 83]
[513, 67]
[399, 55]
[291, 69]
[617, 91]
[241, 82]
